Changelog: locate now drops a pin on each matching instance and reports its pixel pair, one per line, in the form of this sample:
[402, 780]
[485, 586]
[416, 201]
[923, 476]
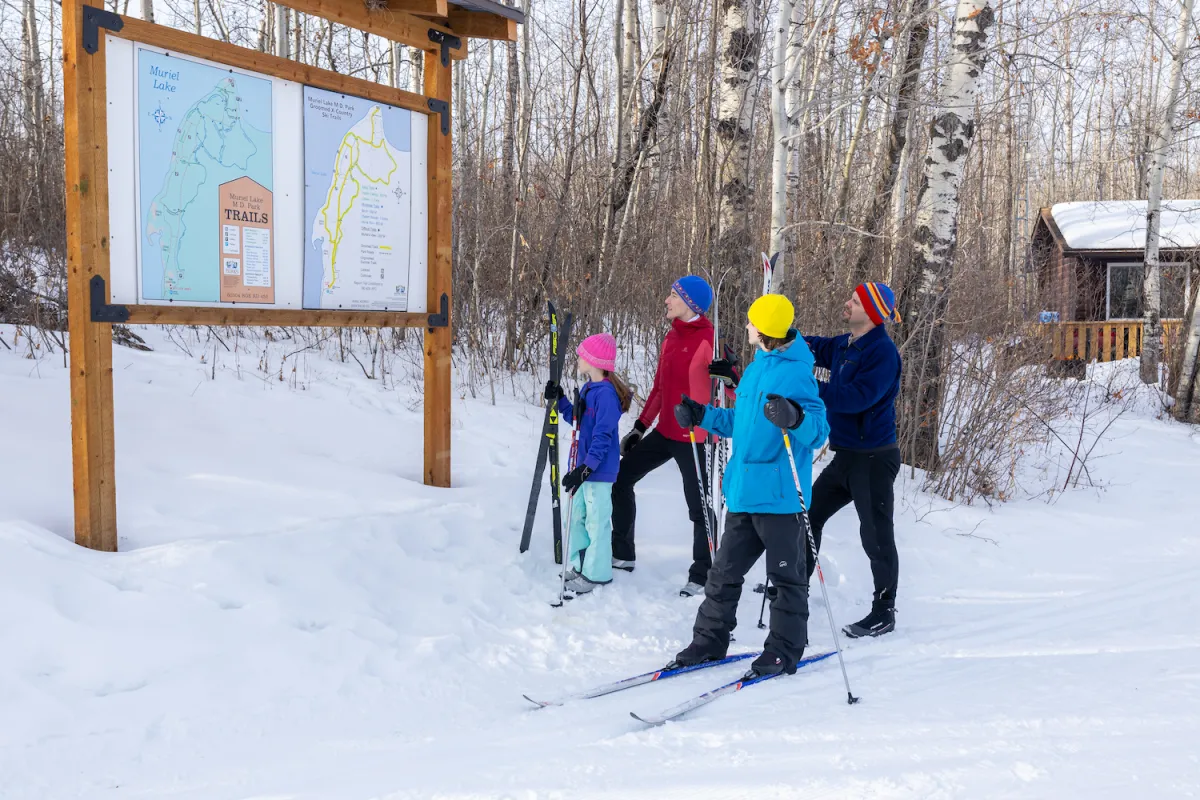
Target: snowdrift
[293, 615]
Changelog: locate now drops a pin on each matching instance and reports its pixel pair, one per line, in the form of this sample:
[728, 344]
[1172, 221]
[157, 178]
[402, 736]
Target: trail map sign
[358, 199]
[210, 184]
[253, 190]
[204, 164]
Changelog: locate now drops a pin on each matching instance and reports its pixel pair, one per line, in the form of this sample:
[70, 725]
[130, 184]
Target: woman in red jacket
[682, 369]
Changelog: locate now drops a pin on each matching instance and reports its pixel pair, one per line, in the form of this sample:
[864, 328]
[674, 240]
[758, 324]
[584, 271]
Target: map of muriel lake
[199, 128]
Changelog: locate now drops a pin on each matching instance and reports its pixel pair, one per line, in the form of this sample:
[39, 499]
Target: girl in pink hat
[602, 400]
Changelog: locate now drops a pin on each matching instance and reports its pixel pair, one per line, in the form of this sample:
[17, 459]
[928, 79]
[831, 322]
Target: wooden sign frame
[90, 314]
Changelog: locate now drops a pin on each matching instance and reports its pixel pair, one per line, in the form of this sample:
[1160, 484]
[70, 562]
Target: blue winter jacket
[758, 479]
[861, 393]
[598, 446]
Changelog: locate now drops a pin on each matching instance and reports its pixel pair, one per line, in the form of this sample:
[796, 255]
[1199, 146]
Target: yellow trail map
[353, 162]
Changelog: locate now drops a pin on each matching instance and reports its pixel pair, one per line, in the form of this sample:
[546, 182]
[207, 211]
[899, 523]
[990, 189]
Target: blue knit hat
[695, 292]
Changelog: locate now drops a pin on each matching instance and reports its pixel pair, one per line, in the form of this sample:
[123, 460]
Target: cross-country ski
[687, 706]
[640, 680]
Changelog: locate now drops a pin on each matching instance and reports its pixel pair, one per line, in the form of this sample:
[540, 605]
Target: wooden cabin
[1088, 260]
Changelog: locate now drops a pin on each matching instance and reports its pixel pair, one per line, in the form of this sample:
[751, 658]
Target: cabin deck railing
[1111, 340]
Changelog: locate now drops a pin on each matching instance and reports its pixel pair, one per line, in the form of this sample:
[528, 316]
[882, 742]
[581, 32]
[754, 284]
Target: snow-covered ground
[293, 615]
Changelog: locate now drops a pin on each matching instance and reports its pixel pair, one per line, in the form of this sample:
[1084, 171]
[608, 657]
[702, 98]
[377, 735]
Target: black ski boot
[695, 654]
[771, 664]
[881, 620]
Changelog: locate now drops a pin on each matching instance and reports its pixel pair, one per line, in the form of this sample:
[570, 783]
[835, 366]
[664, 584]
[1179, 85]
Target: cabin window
[1125, 290]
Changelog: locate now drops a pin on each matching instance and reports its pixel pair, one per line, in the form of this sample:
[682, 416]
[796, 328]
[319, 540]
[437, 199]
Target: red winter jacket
[682, 369]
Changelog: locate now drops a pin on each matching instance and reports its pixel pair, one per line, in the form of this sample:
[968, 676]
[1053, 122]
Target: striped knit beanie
[879, 302]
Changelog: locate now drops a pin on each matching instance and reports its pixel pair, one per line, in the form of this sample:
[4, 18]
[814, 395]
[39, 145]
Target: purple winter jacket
[598, 443]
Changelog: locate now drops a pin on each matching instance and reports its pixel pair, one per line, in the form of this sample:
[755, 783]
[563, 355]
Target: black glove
[575, 478]
[632, 438]
[783, 412]
[724, 371]
[689, 413]
[553, 392]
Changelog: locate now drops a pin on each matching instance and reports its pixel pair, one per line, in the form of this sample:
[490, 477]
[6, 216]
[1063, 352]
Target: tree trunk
[1152, 285]
[416, 71]
[897, 137]
[797, 44]
[35, 102]
[926, 290]
[781, 128]
[508, 148]
[1187, 392]
[282, 34]
[148, 10]
[738, 48]
[521, 103]
[658, 29]
[629, 65]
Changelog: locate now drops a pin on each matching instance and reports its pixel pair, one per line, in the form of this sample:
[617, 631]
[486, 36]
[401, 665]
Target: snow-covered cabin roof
[1121, 224]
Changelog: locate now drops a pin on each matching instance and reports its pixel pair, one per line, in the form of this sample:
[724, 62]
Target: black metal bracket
[446, 41]
[442, 318]
[102, 311]
[93, 20]
[443, 108]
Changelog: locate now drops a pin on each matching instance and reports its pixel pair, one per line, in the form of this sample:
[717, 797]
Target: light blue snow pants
[591, 531]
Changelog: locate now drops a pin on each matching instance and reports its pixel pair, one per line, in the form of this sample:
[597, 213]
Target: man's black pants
[866, 479]
[748, 536]
[652, 452]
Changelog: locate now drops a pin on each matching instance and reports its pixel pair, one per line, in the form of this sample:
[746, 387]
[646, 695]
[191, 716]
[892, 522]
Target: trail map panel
[205, 169]
[357, 202]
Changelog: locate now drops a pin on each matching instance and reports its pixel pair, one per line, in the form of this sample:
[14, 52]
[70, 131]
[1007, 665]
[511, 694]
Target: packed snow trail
[293, 615]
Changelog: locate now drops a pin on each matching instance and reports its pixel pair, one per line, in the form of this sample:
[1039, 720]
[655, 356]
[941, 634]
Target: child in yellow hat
[777, 391]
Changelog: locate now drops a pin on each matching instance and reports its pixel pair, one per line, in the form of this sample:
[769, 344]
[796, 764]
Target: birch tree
[1152, 282]
[282, 34]
[35, 102]
[738, 55]
[781, 127]
[931, 266]
[1187, 393]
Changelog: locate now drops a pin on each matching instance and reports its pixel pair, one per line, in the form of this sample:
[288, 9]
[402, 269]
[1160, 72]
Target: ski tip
[643, 720]
[539, 703]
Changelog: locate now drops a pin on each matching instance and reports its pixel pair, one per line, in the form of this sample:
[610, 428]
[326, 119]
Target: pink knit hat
[600, 351]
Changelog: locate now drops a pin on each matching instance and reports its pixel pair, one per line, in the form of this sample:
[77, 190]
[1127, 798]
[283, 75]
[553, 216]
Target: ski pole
[837, 642]
[712, 545]
[566, 565]
[763, 608]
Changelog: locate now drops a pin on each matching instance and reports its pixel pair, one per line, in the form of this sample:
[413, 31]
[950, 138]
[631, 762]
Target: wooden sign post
[440, 28]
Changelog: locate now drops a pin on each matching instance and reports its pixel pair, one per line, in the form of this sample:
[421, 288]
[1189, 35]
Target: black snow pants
[746, 538]
[866, 479]
[652, 452]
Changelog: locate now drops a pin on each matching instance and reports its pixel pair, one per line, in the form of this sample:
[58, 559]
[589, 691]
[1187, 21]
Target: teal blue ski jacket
[758, 479]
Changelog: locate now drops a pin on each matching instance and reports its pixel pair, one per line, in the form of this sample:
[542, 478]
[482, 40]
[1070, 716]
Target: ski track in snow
[294, 616]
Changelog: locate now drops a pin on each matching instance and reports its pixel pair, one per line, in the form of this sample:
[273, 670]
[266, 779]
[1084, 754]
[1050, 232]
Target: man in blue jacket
[860, 402]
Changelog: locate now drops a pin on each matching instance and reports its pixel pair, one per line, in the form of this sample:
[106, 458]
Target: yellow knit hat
[772, 314]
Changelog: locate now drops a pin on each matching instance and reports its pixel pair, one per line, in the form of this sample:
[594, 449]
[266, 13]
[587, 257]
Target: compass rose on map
[160, 116]
[398, 192]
